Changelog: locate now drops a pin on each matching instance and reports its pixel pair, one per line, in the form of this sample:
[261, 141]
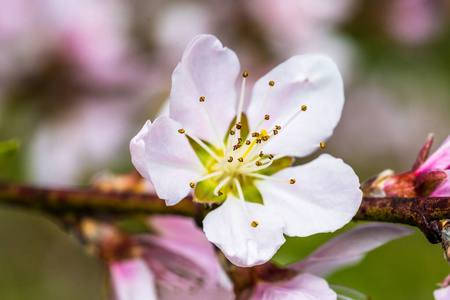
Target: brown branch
[424, 213]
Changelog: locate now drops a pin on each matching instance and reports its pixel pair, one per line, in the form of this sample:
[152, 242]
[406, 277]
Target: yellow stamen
[238, 125]
[261, 154]
[254, 224]
[232, 132]
[247, 142]
[192, 185]
[245, 74]
[202, 99]
[292, 181]
[181, 131]
[275, 132]
[240, 159]
[322, 145]
[230, 159]
[267, 117]
[258, 163]
[271, 83]
[304, 107]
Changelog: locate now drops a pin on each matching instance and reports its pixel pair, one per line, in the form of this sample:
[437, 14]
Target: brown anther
[265, 138]
[266, 117]
[237, 146]
[271, 83]
[230, 159]
[238, 125]
[220, 193]
[275, 132]
[254, 224]
[181, 131]
[292, 181]
[255, 134]
[202, 99]
[258, 141]
[239, 140]
[322, 145]
[277, 127]
[240, 159]
[258, 163]
[245, 74]
[270, 156]
[232, 132]
[261, 154]
[192, 185]
[304, 107]
[247, 142]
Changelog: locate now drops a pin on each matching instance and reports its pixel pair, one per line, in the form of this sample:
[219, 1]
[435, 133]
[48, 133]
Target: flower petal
[443, 189]
[229, 228]
[165, 157]
[132, 280]
[206, 69]
[324, 198]
[440, 159]
[350, 246]
[181, 236]
[302, 287]
[311, 80]
[442, 294]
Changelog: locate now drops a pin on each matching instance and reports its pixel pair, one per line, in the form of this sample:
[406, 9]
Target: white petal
[442, 294]
[210, 70]
[165, 157]
[229, 228]
[132, 280]
[311, 80]
[324, 198]
[302, 287]
[350, 246]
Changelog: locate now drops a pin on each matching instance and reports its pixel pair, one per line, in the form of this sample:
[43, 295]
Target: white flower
[213, 146]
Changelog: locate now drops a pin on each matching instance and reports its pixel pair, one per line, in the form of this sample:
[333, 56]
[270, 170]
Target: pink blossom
[429, 177]
[212, 146]
[345, 249]
[177, 261]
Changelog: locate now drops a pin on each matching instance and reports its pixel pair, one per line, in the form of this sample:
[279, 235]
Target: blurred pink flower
[414, 22]
[176, 262]
[259, 204]
[343, 250]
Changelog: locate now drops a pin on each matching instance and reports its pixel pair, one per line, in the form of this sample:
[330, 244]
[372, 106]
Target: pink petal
[181, 236]
[440, 159]
[210, 70]
[132, 280]
[442, 294]
[350, 246]
[302, 287]
[443, 189]
[324, 198]
[165, 157]
[229, 228]
[311, 80]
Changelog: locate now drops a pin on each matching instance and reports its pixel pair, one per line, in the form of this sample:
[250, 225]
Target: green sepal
[8, 149]
[251, 194]
[244, 131]
[277, 166]
[204, 192]
[205, 158]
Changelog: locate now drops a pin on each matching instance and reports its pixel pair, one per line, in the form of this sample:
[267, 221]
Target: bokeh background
[79, 78]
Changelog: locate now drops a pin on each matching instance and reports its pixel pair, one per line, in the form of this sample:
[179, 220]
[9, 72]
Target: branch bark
[425, 213]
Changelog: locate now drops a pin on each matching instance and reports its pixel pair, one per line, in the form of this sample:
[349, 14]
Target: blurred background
[79, 78]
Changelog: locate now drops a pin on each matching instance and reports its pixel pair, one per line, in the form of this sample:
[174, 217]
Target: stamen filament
[220, 185]
[208, 176]
[241, 99]
[265, 177]
[204, 146]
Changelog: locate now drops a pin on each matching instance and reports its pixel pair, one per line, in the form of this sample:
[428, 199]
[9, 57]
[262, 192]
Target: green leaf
[206, 159]
[8, 149]
[251, 194]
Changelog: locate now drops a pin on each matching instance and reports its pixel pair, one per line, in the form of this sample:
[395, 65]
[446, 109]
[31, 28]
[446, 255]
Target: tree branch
[424, 213]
